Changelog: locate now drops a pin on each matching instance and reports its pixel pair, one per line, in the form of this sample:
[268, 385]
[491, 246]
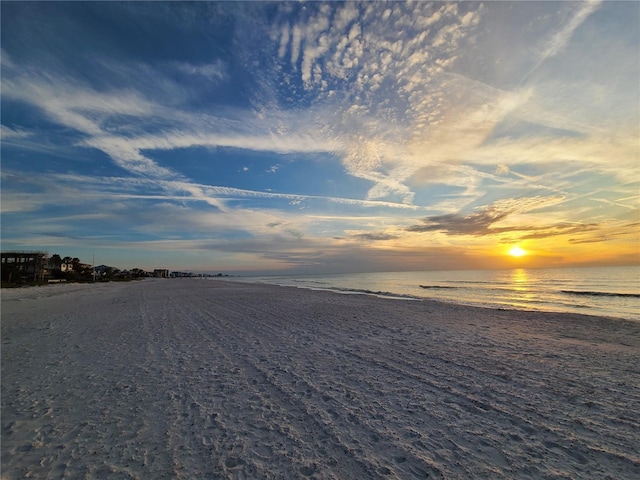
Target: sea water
[608, 291]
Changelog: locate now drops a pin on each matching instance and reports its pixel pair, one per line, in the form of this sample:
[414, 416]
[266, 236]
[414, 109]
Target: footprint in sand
[233, 462]
[307, 470]
[263, 451]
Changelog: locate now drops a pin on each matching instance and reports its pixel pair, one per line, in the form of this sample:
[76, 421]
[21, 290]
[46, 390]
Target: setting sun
[517, 252]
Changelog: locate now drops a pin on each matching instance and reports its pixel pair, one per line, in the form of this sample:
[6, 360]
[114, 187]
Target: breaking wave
[600, 294]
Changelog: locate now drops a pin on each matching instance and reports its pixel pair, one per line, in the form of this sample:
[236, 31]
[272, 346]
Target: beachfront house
[161, 273]
[24, 266]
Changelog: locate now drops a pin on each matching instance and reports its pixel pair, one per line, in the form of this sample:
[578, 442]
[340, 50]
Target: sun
[517, 252]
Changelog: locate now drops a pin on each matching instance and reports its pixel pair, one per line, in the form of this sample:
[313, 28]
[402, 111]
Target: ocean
[608, 291]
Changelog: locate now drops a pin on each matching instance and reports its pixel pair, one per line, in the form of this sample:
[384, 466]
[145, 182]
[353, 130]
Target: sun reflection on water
[521, 287]
[520, 280]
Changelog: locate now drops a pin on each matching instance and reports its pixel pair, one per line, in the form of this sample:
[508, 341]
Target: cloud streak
[486, 221]
[560, 39]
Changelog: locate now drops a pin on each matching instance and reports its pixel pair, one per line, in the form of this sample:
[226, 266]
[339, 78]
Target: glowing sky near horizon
[322, 137]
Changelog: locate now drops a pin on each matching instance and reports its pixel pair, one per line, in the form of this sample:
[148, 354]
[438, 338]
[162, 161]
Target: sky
[310, 137]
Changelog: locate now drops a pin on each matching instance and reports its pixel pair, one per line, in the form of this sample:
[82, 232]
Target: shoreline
[399, 296]
[183, 379]
[609, 292]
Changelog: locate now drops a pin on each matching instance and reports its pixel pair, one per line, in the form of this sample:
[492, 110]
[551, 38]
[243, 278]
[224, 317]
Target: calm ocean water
[610, 291]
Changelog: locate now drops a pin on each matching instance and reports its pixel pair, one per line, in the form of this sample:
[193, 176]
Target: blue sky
[322, 137]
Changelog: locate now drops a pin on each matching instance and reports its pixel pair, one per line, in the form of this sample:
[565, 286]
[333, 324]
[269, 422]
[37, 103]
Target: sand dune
[210, 379]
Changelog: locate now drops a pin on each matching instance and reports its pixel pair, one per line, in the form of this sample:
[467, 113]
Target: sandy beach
[202, 379]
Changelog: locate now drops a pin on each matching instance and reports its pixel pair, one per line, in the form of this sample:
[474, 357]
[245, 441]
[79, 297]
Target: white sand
[210, 379]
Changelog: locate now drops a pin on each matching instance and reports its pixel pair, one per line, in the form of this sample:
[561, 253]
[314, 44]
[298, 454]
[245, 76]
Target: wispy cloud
[7, 133]
[215, 71]
[483, 222]
[559, 40]
[375, 236]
